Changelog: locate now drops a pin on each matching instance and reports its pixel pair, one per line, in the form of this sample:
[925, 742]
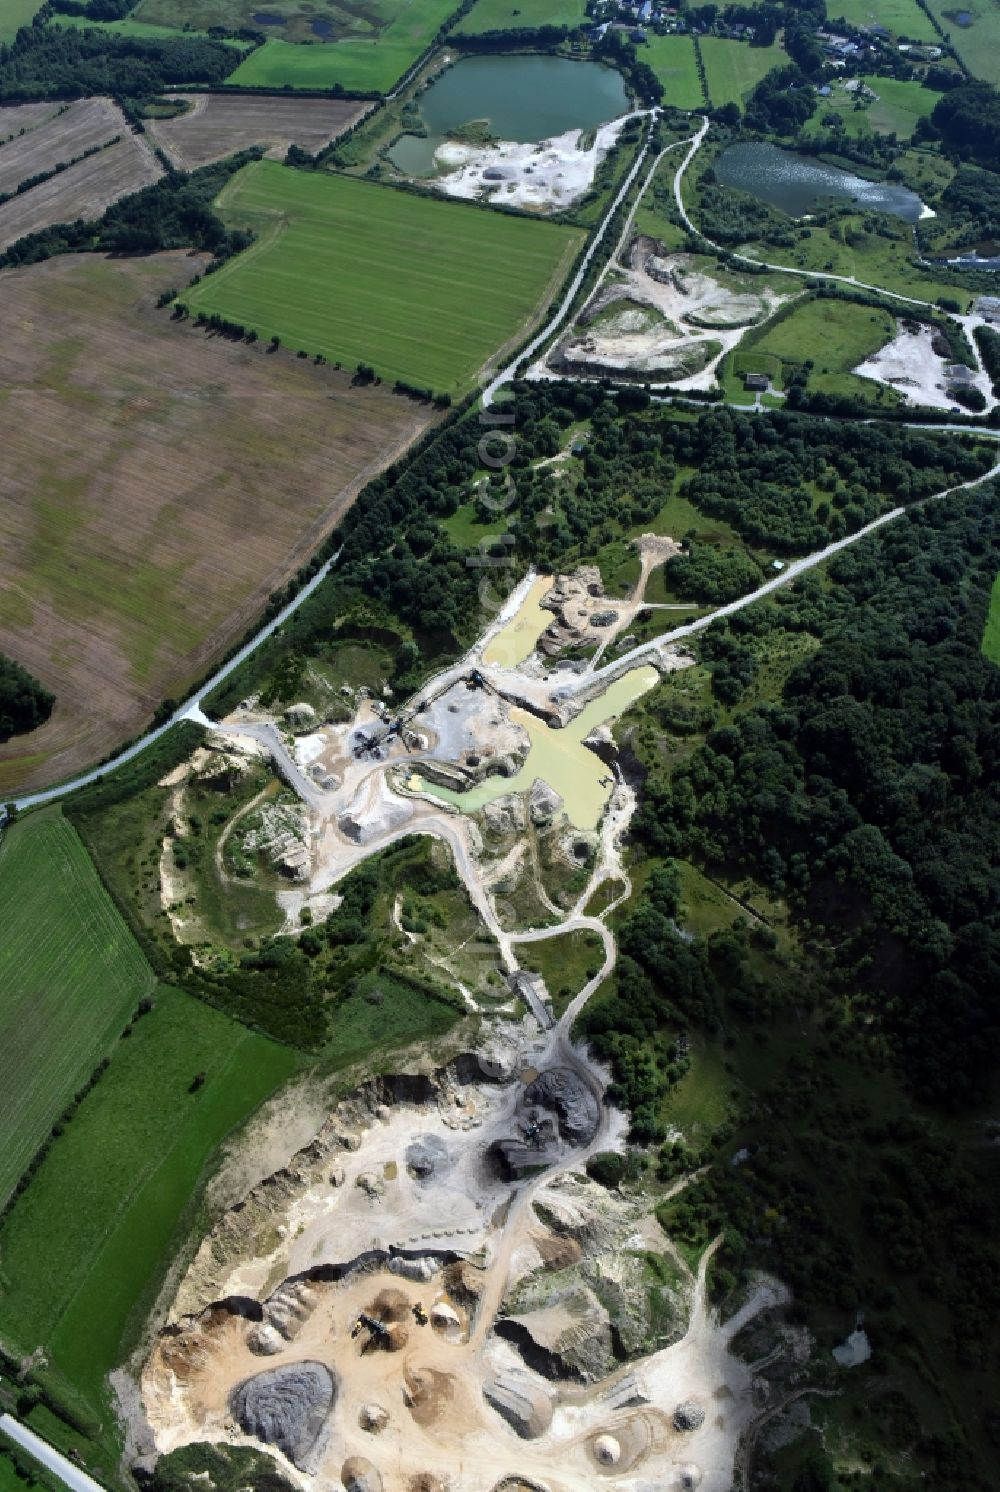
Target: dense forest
[174, 212]
[865, 796]
[62, 62]
[24, 702]
[787, 484]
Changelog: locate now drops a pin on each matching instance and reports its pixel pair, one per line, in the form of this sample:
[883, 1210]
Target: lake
[522, 98]
[796, 184]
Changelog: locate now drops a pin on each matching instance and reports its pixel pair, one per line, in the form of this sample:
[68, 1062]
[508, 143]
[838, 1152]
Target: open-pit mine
[431, 1294]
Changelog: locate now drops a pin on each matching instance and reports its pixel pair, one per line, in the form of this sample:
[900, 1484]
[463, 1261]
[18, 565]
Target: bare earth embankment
[157, 485]
[219, 124]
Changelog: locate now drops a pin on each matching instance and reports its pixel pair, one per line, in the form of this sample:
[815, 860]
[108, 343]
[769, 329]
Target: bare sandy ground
[698, 320]
[545, 177]
[910, 365]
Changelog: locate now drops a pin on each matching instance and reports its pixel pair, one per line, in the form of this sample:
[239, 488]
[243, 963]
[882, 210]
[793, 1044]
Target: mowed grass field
[71, 974]
[837, 336]
[901, 17]
[363, 64]
[505, 15]
[672, 58]
[734, 68]
[84, 1247]
[991, 636]
[421, 289]
[14, 14]
[978, 43]
[157, 484]
[141, 29]
[896, 111]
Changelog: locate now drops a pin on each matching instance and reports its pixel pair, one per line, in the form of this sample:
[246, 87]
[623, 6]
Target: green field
[896, 111]
[358, 64]
[837, 336]
[733, 68]
[672, 58]
[84, 1247]
[14, 14]
[566, 963]
[363, 1029]
[991, 637]
[503, 15]
[142, 30]
[70, 975]
[901, 17]
[978, 44]
[420, 289]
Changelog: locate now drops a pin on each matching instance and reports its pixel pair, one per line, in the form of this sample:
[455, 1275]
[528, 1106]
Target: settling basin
[559, 757]
[517, 638]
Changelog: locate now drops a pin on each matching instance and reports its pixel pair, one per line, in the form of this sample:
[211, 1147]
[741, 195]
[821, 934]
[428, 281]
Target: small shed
[756, 383]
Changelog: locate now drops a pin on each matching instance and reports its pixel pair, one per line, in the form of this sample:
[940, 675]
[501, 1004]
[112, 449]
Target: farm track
[191, 710]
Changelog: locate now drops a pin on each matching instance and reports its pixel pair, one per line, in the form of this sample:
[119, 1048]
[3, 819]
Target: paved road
[67, 1471]
[191, 709]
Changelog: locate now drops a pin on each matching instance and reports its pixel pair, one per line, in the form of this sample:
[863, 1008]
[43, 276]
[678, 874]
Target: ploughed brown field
[218, 124]
[59, 138]
[17, 117]
[85, 190]
[156, 485]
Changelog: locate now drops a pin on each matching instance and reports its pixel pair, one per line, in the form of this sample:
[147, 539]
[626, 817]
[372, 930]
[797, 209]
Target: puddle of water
[265, 18]
[854, 1351]
[560, 758]
[322, 28]
[517, 637]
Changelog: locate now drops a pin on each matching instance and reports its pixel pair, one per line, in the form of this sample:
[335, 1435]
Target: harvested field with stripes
[17, 117]
[85, 190]
[77, 128]
[157, 485]
[71, 974]
[220, 124]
